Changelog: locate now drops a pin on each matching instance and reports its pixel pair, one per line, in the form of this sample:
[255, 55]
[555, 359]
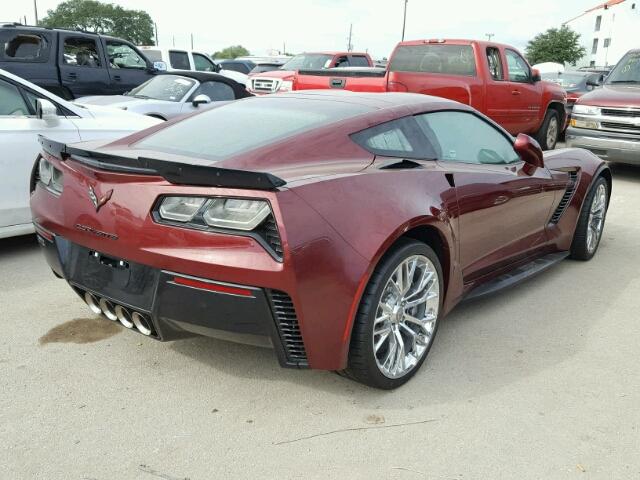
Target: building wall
[619, 23]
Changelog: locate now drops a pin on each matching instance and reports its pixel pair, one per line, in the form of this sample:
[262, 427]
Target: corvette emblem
[99, 202]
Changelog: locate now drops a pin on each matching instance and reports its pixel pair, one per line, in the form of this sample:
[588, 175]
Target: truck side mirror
[535, 75]
[47, 111]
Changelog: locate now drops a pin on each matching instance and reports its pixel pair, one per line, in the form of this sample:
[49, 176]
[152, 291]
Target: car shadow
[12, 246]
[623, 171]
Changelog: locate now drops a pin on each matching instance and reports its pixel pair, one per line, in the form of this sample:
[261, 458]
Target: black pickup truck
[72, 63]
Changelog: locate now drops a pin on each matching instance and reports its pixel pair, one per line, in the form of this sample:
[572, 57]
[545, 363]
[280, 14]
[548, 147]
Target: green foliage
[560, 45]
[104, 18]
[231, 52]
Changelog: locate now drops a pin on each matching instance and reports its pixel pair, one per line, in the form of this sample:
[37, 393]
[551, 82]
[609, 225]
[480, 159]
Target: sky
[308, 25]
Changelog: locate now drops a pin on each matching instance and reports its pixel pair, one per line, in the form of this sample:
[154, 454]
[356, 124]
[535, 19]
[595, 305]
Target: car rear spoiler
[174, 172]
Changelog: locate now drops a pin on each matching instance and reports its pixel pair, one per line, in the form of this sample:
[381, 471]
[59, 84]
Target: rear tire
[411, 319]
[549, 132]
[588, 234]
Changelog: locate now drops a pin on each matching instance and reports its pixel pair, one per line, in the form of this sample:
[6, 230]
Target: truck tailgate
[356, 80]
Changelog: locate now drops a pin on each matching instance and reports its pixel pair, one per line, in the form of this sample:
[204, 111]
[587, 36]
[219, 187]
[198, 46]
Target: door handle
[117, 78]
[515, 92]
[72, 75]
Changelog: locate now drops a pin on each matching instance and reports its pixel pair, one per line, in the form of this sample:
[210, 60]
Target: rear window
[24, 47]
[241, 126]
[444, 59]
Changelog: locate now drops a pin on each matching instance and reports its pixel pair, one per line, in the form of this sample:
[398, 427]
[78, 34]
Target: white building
[607, 31]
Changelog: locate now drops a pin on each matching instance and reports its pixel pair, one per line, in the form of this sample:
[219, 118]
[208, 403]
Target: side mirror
[200, 100]
[529, 151]
[160, 66]
[591, 83]
[47, 111]
[535, 75]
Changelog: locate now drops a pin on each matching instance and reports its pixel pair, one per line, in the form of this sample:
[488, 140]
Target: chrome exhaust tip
[108, 309]
[93, 303]
[141, 323]
[124, 317]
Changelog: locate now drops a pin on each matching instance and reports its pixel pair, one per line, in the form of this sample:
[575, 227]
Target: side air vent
[288, 328]
[268, 230]
[566, 198]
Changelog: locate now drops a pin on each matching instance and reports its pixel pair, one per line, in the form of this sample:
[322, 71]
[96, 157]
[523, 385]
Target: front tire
[549, 132]
[588, 234]
[398, 317]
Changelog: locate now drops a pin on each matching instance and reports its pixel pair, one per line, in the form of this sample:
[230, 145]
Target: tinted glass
[203, 64]
[154, 55]
[11, 102]
[464, 137]
[518, 68]
[179, 60]
[308, 61]
[400, 138]
[359, 61]
[171, 88]
[245, 125]
[122, 55]
[445, 59]
[23, 47]
[81, 52]
[235, 66]
[216, 91]
[265, 68]
[627, 70]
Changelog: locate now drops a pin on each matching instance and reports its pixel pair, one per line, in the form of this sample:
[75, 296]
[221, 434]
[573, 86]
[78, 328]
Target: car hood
[613, 96]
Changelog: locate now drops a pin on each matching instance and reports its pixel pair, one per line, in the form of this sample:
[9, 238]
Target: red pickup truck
[493, 78]
[281, 80]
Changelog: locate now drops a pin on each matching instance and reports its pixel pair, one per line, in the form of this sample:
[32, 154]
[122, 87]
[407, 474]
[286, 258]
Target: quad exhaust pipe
[117, 313]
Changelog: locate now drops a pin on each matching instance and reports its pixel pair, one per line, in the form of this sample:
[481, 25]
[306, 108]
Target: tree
[555, 45]
[231, 52]
[104, 18]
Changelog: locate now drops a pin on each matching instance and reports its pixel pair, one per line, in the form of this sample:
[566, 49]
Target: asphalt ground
[538, 382]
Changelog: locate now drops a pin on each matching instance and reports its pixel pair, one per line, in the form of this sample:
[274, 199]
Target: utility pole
[174, 40]
[404, 21]
[349, 45]
[155, 27]
[35, 9]
[490, 36]
[192, 41]
[284, 48]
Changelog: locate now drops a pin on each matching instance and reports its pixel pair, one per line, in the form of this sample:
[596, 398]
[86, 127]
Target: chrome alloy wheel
[406, 316]
[596, 217]
[552, 133]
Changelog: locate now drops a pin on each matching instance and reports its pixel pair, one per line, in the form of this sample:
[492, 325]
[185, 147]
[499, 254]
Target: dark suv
[72, 63]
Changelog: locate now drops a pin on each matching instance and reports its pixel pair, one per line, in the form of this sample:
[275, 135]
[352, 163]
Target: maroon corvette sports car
[338, 228]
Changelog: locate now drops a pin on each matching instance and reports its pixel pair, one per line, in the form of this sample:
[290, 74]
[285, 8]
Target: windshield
[308, 61]
[171, 88]
[244, 125]
[565, 80]
[627, 70]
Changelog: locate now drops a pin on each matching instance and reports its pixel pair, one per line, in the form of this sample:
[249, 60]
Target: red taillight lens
[397, 87]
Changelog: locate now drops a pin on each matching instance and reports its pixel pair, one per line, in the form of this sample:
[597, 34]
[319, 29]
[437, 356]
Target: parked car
[242, 66]
[493, 78]
[266, 67]
[252, 236]
[27, 111]
[70, 63]
[281, 80]
[178, 59]
[172, 94]
[607, 120]
[575, 83]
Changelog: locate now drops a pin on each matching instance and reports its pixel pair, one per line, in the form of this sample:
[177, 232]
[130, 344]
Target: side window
[179, 60]
[216, 91]
[519, 70]
[342, 62]
[121, 55]
[495, 63]
[358, 61]
[399, 138]
[24, 47]
[203, 64]
[11, 102]
[481, 143]
[81, 52]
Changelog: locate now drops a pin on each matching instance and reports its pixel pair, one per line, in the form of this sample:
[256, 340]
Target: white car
[27, 111]
[176, 59]
[170, 95]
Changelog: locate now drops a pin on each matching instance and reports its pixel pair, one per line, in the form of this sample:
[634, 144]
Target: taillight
[397, 87]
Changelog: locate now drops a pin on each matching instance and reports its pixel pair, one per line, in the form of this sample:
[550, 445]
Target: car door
[504, 208]
[216, 90]
[82, 66]
[526, 96]
[19, 129]
[499, 97]
[127, 67]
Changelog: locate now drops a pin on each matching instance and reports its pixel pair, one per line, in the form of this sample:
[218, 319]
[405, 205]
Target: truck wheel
[398, 317]
[549, 132]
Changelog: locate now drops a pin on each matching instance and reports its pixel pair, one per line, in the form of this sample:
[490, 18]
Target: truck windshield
[308, 61]
[171, 88]
[438, 58]
[627, 70]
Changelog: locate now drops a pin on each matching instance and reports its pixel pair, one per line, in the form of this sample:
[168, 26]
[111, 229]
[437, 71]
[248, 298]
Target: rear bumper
[181, 305]
[614, 147]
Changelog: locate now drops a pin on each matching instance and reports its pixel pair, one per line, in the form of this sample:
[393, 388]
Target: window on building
[607, 42]
[594, 49]
[598, 22]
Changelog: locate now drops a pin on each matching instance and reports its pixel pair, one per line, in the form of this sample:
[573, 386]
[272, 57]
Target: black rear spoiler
[174, 172]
